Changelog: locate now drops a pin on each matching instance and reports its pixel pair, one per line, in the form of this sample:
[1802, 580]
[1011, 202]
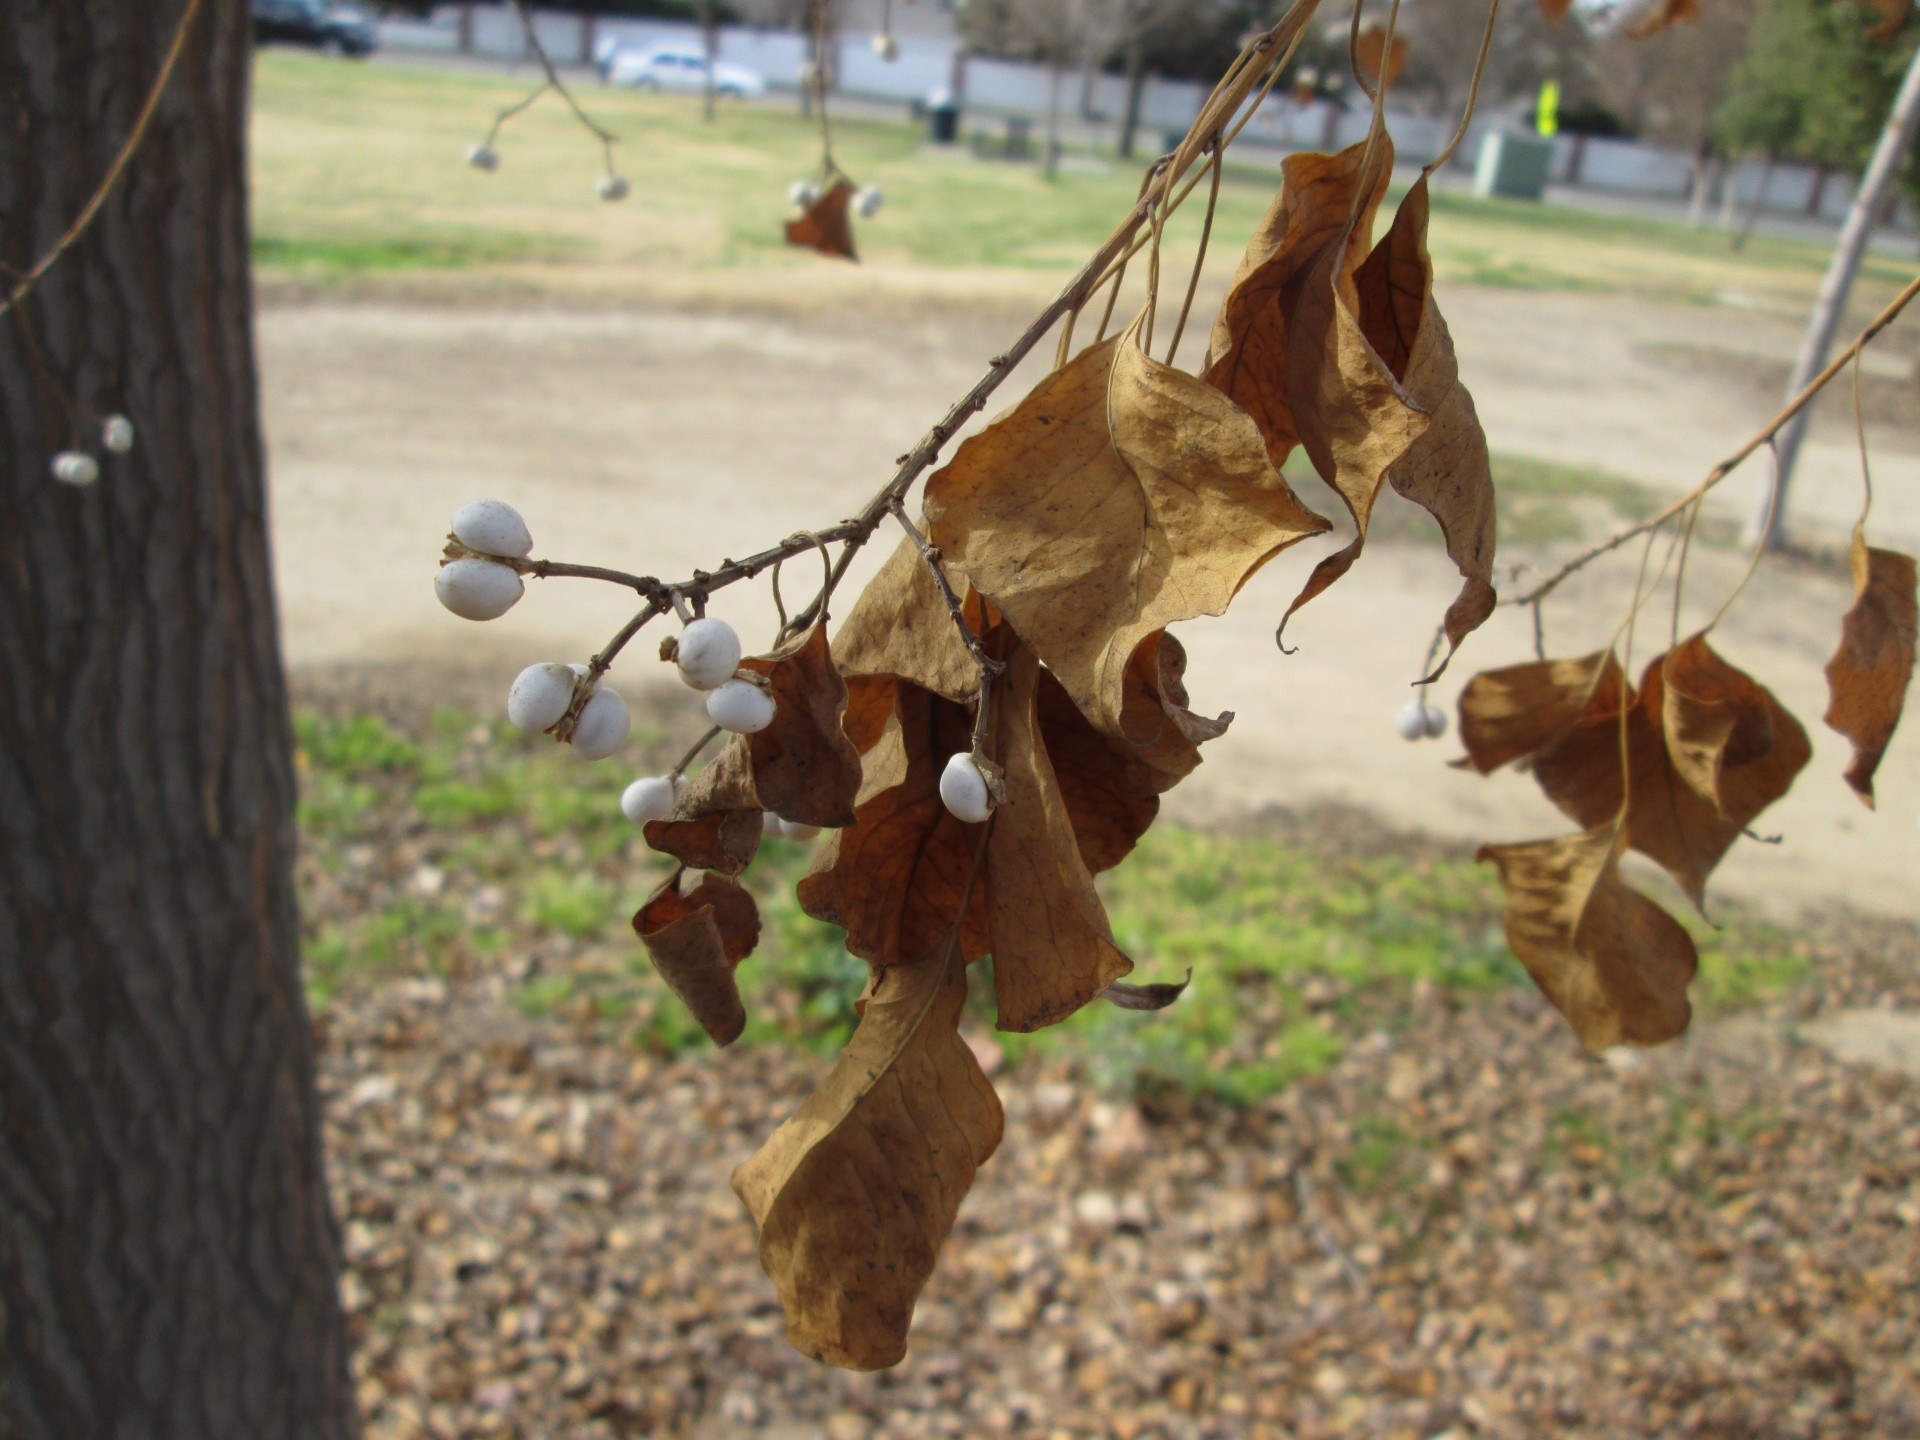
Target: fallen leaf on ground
[1613, 962]
[695, 941]
[856, 1192]
[1868, 675]
[1120, 496]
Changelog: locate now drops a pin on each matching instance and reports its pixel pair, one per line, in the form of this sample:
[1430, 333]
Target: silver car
[676, 67]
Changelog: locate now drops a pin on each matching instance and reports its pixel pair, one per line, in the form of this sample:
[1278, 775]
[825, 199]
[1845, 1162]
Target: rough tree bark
[167, 1256]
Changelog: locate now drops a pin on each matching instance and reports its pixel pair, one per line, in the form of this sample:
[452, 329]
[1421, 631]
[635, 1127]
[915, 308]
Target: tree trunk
[1136, 88]
[167, 1256]
[1759, 200]
[1050, 156]
[710, 37]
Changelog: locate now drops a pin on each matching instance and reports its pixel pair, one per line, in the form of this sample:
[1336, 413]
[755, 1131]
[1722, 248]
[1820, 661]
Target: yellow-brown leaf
[805, 769]
[1374, 59]
[695, 941]
[1120, 496]
[1868, 675]
[855, 1193]
[1613, 962]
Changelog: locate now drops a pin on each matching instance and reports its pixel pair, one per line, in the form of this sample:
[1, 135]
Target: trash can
[943, 118]
[1513, 165]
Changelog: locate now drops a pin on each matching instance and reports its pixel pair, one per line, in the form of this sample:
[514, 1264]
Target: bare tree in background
[167, 1257]
[1443, 38]
[1667, 88]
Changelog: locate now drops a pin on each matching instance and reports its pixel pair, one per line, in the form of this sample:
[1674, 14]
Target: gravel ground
[1464, 1227]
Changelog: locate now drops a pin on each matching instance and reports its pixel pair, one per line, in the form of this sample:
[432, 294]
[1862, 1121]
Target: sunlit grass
[360, 170]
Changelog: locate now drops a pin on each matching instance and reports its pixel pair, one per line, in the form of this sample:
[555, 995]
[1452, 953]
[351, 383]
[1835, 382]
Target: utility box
[1513, 165]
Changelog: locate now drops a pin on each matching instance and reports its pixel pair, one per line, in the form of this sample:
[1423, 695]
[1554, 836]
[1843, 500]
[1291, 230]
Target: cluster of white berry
[866, 201]
[1418, 720]
[608, 187]
[77, 467]
[885, 46]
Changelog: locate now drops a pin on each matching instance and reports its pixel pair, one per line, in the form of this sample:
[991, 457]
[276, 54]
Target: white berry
[1436, 722]
[1411, 721]
[74, 467]
[771, 825]
[651, 798]
[492, 527]
[802, 193]
[612, 187]
[477, 589]
[867, 202]
[602, 725]
[540, 696]
[483, 157]
[795, 831]
[885, 46]
[116, 433]
[963, 790]
[740, 706]
[708, 653]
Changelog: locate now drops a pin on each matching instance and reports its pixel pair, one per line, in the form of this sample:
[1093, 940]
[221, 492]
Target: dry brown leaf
[1446, 471]
[1120, 496]
[1370, 48]
[1868, 675]
[855, 1192]
[1892, 19]
[900, 626]
[1157, 996]
[1247, 355]
[1663, 14]
[695, 941]
[1506, 715]
[1355, 419]
[1555, 10]
[1161, 731]
[825, 226]
[894, 880]
[725, 840]
[1613, 962]
[805, 769]
[1707, 748]
[1111, 790]
[1052, 948]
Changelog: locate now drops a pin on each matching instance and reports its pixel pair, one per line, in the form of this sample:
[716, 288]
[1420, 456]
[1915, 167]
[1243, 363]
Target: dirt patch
[1889, 384]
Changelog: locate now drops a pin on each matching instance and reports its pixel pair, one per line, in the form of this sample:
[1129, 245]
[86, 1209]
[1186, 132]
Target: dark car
[336, 29]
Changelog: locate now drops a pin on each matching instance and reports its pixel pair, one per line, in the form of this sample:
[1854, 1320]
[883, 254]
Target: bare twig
[24, 286]
[955, 608]
[693, 752]
[606, 137]
[1762, 437]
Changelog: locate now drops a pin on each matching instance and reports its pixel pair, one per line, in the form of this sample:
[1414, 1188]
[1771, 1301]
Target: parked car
[673, 67]
[334, 29]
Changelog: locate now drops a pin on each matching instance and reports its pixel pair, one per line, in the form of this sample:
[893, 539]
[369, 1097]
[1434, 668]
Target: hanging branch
[554, 83]
[1262, 57]
[1762, 437]
[24, 286]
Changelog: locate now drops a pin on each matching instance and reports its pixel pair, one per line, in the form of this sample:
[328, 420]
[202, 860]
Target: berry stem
[930, 553]
[693, 752]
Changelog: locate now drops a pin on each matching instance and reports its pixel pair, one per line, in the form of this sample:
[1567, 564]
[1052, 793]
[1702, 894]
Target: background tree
[167, 1258]
[1443, 39]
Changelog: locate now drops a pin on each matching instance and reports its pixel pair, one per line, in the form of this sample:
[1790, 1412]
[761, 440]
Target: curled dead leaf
[1506, 715]
[1890, 19]
[1446, 470]
[900, 626]
[1613, 962]
[1867, 677]
[724, 840]
[855, 1192]
[695, 941]
[1120, 496]
[1247, 354]
[825, 226]
[1053, 950]
[805, 769]
[1157, 996]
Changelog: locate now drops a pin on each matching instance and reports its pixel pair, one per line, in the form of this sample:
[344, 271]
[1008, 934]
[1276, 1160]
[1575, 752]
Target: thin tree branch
[606, 137]
[930, 554]
[1760, 438]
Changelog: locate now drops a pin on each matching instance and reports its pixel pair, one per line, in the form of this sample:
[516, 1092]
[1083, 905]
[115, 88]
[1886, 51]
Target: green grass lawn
[360, 170]
[466, 845]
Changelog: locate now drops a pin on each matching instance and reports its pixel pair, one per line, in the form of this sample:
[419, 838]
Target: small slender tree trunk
[1703, 171]
[710, 33]
[167, 1256]
[1767, 523]
[1050, 161]
[1730, 192]
[1759, 199]
[1136, 89]
[465, 30]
